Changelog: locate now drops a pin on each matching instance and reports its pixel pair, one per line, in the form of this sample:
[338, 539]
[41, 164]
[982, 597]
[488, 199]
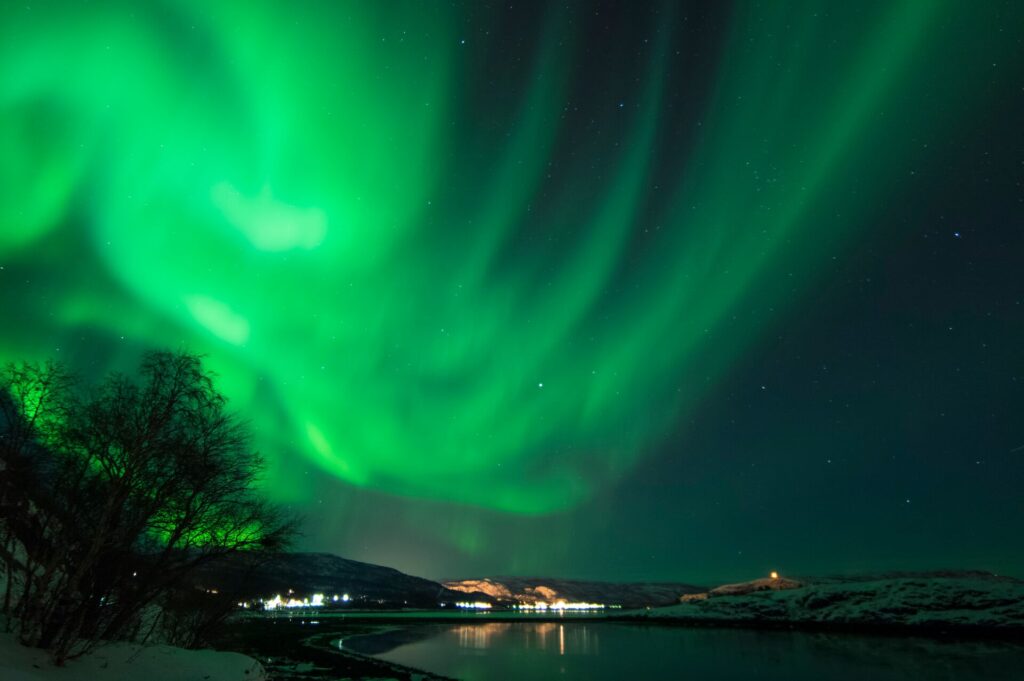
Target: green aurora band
[418, 289]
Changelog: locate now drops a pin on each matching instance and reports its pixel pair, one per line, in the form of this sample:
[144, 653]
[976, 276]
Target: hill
[924, 601]
[253, 576]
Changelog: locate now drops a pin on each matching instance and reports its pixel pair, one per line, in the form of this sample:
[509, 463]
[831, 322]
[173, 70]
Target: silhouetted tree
[109, 500]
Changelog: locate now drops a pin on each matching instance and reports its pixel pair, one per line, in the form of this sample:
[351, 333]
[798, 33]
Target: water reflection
[496, 651]
[478, 636]
[571, 639]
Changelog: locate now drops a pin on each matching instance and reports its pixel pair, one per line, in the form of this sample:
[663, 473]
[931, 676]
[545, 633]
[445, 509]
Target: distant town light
[560, 606]
[277, 602]
[775, 575]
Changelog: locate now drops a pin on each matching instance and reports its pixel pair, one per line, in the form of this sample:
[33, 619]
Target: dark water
[606, 650]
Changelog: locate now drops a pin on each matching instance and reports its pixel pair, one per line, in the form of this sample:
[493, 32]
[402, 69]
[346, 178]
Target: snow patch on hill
[974, 601]
[532, 590]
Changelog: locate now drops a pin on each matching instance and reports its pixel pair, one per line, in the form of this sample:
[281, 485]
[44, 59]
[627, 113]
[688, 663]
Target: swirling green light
[290, 189]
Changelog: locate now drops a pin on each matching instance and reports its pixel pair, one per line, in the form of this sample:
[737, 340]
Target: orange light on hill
[775, 575]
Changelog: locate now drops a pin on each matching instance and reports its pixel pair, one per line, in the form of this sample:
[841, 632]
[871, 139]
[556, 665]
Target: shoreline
[290, 650]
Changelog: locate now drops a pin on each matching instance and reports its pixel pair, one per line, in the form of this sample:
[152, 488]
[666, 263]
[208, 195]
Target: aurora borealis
[502, 287]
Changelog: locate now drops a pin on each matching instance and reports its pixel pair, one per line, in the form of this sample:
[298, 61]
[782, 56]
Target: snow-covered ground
[127, 662]
[932, 601]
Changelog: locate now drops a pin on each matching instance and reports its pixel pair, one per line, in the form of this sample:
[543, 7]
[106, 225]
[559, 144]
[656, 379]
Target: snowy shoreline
[948, 606]
[127, 662]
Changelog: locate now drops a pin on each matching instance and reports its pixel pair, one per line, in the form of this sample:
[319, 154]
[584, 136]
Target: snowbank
[127, 662]
[926, 602]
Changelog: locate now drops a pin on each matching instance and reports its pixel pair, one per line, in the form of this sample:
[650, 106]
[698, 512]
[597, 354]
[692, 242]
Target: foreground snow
[127, 662]
[957, 602]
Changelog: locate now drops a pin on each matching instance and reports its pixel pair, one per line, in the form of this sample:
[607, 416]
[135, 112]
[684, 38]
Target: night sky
[666, 291]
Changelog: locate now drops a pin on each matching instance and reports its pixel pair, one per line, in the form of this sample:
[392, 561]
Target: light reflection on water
[499, 651]
[541, 636]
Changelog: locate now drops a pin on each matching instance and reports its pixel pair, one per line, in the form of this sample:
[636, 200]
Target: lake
[498, 651]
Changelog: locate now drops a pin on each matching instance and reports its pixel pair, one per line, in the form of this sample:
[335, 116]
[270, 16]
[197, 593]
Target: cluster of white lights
[560, 605]
[475, 605]
[315, 601]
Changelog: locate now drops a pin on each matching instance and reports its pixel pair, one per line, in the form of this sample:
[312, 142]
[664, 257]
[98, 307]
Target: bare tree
[110, 500]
